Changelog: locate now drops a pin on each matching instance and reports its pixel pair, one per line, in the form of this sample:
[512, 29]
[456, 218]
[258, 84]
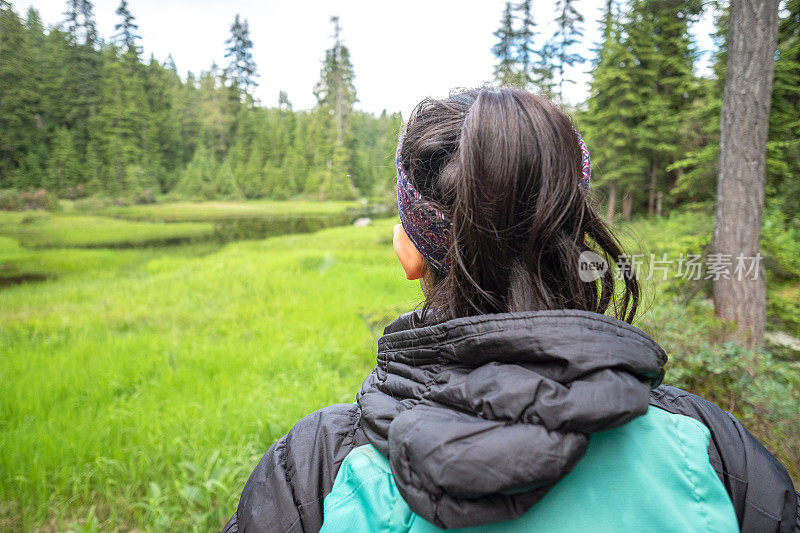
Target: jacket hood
[481, 416]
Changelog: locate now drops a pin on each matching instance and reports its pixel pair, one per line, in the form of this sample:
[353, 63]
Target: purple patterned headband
[428, 227]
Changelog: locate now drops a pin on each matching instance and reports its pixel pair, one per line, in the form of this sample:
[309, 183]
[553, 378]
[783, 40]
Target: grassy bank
[209, 211]
[38, 229]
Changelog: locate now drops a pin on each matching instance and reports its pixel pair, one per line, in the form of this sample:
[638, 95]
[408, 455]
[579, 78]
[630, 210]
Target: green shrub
[780, 240]
[12, 200]
[247, 228]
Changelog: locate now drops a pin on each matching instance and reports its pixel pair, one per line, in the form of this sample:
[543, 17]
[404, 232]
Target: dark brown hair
[504, 165]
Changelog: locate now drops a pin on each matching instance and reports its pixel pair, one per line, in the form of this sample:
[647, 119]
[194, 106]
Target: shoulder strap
[759, 486]
[286, 490]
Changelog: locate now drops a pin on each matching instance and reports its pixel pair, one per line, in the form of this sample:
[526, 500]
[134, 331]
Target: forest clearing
[197, 251]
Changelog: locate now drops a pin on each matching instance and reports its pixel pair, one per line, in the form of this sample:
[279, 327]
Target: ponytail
[505, 166]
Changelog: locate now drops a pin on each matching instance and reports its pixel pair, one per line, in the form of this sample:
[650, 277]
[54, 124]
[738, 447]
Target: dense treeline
[652, 125]
[81, 116]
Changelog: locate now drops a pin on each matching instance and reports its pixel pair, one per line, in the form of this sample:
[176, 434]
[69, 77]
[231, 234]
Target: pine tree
[524, 38]
[226, 185]
[567, 35]
[242, 69]
[335, 90]
[658, 35]
[80, 21]
[283, 102]
[783, 148]
[126, 35]
[187, 104]
[37, 135]
[697, 170]
[252, 180]
[199, 178]
[219, 104]
[544, 70]
[162, 143]
[336, 184]
[63, 167]
[336, 95]
[16, 94]
[607, 125]
[504, 71]
[82, 71]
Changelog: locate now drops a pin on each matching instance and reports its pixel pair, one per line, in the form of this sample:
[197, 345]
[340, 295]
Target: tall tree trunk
[651, 199]
[627, 205]
[742, 163]
[659, 203]
[612, 202]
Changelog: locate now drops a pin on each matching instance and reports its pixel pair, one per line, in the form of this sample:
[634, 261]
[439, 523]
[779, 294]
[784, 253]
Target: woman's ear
[412, 261]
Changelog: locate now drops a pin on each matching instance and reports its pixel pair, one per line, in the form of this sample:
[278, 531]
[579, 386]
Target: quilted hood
[481, 416]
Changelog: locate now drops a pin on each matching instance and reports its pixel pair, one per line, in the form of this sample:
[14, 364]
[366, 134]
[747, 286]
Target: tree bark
[659, 203]
[627, 205]
[612, 202]
[742, 163]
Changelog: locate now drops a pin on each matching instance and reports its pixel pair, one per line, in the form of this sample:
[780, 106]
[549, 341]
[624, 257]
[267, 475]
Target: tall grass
[212, 211]
[144, 398]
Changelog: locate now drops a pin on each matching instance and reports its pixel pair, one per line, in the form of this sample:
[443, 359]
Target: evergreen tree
[162, 142]
[17, 95]
[524, 38]
[609, 119]
[744, 124]
[82, 71]
[80, 21]
[697, 171]
[336, 184]
[252, 180]
[544, 70]
[187, 105]
[37, 107]
[63, 166]
[226, 186]
[169, 64]
[219, 104]
[336, 95]
[242, 69]
[567, 35]
[504, 71]
[658, 35]
[335, 91]
[126, 29]
[199, 178]
[283, 102]
[783, 148]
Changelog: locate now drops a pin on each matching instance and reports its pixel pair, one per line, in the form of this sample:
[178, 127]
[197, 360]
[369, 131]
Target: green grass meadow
[141, 395]
[140, 386]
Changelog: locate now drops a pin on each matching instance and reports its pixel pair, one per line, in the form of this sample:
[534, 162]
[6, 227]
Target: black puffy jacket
[534, 385]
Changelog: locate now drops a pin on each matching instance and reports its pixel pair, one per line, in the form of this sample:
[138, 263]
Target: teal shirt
[652, 474]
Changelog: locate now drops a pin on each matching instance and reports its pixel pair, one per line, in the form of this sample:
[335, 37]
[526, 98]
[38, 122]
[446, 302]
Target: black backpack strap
[286, 490]
[759, 486]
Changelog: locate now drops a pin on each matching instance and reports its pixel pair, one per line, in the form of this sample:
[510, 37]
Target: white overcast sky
[401, 51]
